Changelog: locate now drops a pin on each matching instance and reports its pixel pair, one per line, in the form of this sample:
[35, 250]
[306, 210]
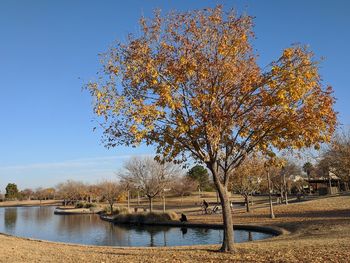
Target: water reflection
[10, 218]
[41, 223]
[75, 223]
[116, 235]
[183, 230]
[156, 235]
[42, 214]
[250, 236]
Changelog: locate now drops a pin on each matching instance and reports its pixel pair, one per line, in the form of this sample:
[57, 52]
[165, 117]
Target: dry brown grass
[320, 232]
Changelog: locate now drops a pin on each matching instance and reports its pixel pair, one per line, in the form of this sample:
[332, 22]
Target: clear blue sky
[48, 49]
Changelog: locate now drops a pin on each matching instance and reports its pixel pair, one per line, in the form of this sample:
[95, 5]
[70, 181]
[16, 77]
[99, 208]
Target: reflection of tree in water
[207, 235]
[74, 224]
[115, 235]
[42, 214]
[152, 231]
[27, 213]
[10, 218]
[250, 236]
[92, 227]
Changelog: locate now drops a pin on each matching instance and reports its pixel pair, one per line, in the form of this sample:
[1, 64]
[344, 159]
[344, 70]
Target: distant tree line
[148, 178]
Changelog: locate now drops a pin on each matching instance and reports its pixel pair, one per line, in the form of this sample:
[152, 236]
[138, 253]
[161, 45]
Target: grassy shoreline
[29, 203]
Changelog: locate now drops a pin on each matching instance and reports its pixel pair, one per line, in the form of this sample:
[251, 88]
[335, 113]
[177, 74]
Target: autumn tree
[149, 176]
[27, 193]
[247, 178]
[93, 192]
[110, 191]
[189, 83]
[71, 191]
[49, 193]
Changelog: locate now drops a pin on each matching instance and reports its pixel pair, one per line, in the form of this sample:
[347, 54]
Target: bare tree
[148, 175]
[336, 157]
[110, 190]
[184, 185]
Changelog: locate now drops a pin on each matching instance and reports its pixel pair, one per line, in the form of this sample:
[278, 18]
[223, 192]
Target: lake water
[42, 223]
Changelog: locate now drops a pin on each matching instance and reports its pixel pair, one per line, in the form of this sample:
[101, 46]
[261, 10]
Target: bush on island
[84, 205]
[145, 218]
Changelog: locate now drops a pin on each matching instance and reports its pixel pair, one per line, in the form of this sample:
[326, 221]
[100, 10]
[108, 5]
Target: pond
[42, 223]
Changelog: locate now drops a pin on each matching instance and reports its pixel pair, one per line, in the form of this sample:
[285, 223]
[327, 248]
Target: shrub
[79, 205]
[121, 210]
[84, 205]
[90, 205]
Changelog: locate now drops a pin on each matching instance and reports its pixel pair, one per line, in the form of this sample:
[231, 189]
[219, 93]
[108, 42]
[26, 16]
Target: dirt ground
[320, 232]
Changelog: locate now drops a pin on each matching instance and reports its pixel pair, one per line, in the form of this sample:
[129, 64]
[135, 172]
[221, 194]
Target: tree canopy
[11, 191]
[336, 158]
[200, 174]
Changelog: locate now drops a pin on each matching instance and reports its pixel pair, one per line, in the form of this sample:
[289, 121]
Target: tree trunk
[150, 203]
[286, 197]
[228, 241]
[111, 205]
[272, 215]
[128, 199]
[285, 189]
[281, 195]
[246, 198]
